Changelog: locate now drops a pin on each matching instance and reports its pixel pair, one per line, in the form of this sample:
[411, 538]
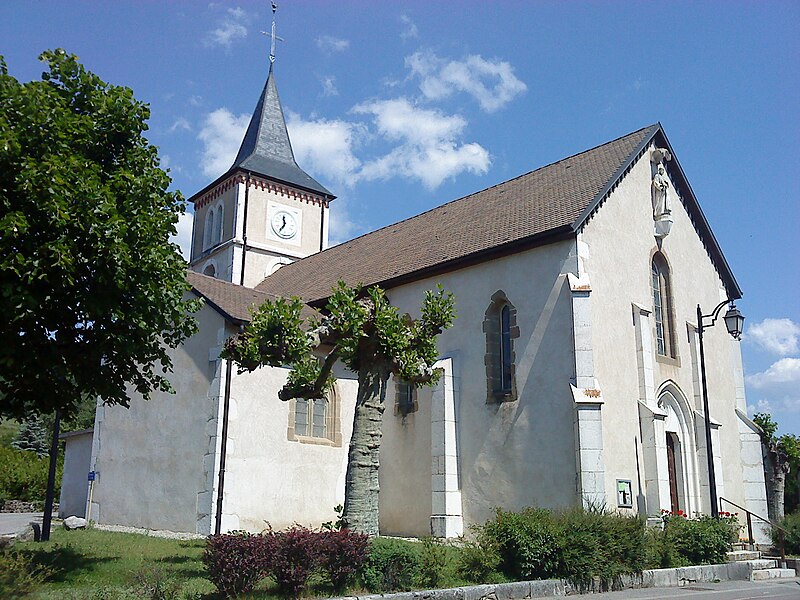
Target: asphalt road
[777, 589]
[14, 522]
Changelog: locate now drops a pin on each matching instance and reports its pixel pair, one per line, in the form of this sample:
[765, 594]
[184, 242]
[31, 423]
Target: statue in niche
[660, 197]
[662, 214]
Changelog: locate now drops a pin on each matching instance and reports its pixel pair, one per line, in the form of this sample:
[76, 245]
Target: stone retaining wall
[521, 590]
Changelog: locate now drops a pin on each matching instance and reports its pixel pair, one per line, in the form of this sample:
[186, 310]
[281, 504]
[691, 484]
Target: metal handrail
[781, 531]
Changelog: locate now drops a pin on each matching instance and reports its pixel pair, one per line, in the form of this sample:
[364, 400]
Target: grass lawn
[99, 564]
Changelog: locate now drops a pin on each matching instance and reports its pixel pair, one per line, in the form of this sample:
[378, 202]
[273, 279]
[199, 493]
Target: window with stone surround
[405, 398]
[315, 421]
[500, 328]
[662, 307]
[208, 230]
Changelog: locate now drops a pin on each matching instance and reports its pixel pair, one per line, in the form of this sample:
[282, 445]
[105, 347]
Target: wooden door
[673, 478]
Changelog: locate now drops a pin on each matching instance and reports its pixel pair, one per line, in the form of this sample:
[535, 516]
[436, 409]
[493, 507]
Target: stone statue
[660, 198]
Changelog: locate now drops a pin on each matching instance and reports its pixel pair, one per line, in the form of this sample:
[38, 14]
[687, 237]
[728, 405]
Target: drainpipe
[322, 225]
[224, 445]
[244, 225]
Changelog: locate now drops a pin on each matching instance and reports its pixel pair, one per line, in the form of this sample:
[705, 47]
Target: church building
[572, 375]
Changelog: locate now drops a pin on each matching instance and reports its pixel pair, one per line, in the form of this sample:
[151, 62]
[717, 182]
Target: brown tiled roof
[509, 215]
[233, 301]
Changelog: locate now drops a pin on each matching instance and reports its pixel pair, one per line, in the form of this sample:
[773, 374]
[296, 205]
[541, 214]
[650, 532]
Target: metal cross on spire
[274, 38]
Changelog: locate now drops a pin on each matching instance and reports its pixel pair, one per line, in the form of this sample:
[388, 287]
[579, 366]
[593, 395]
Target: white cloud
[195, 100]
[342, 225]
[491, 83]
[326, 147]
[328, 43]
[180, 123]
[427, 148]
[230, 29]
[785, 371]
[221, 134]
[410, 30]
[184, 235]
[329, 86]
[779, 336]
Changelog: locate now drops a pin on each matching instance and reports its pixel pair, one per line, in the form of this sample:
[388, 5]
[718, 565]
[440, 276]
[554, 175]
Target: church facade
[571, 376]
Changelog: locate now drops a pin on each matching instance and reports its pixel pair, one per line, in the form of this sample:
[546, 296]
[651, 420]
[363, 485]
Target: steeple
[266, 149]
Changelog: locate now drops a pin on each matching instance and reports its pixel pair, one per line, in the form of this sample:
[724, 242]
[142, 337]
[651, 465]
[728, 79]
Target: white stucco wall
[617, 251]
[155, 460]
[74, 482]
[270, 479]
[511, 454]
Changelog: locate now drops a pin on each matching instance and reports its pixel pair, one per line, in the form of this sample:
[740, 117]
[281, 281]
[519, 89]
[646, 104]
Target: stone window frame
[494, 359]
[405, 398]
[208, 228]
[333, 423]
[663, 307]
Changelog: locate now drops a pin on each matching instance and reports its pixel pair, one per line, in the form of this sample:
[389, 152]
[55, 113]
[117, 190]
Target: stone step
[762, 563]
[762, 574]
[738, 555]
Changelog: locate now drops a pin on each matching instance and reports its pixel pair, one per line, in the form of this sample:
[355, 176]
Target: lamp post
[733, 322]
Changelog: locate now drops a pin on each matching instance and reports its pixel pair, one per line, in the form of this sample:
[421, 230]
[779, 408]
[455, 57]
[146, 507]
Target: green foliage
[19, 574]
[33, 437]
[479, 559]
[23, 475]
[527, 541]
[698, 541]
[787, 448]
[436, 565]
[392, 565]
[579, 545]
[91, 288]
[791, 523]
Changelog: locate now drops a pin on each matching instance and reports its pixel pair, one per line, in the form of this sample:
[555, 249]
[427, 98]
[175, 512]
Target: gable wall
[619, 244]
[155, 460]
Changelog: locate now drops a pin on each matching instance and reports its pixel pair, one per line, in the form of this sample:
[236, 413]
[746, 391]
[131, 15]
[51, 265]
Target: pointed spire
[266, 149]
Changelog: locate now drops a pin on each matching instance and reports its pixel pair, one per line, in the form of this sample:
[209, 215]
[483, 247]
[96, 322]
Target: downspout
[244, 228]
[322, 225]
[224, 445]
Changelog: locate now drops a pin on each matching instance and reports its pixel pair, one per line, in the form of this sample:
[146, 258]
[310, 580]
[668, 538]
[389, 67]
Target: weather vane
[272, 35]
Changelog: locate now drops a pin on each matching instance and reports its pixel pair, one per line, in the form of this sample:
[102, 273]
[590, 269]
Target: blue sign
[92, 475]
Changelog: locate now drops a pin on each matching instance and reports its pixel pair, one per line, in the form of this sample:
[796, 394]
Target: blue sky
[486, 91]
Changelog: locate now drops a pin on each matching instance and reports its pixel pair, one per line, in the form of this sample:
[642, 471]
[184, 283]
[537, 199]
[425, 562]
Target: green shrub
[527, 542]
[791, 523]
[20, 574]
[479, 560]
[599, 545]
[23, 475]
[702, 540]
[436, 565]
[392, 565]
[660, 552]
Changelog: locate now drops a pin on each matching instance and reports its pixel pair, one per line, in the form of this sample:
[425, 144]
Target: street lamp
[734, 321]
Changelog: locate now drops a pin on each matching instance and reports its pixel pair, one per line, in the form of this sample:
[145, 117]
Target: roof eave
[225, 314]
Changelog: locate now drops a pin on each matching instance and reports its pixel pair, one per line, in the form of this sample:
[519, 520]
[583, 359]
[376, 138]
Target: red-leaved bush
[237, 561]
[295, 555]
[341, 555]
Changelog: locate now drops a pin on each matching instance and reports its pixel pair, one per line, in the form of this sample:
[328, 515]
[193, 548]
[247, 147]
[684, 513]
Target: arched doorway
[681, 451]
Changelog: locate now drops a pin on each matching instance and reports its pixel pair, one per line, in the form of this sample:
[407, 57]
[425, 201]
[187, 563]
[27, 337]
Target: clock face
[284, 224]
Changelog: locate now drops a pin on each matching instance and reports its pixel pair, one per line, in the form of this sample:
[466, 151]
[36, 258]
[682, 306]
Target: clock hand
[283, 223]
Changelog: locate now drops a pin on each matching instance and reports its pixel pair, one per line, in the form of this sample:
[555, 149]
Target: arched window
[500, 327]
[220, 224]
[662, 306]
[208, 232]
[210, 270]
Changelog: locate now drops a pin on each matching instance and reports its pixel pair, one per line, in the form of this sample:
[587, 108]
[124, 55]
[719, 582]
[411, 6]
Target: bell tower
[265, 211]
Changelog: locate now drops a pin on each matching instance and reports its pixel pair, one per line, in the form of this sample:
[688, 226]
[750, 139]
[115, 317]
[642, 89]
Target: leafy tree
[91, 289]
[369, 336]
[781, 456]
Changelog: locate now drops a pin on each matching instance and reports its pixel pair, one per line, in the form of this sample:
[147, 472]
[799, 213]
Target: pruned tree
[362, 330]
[779, 455]
[91, 288]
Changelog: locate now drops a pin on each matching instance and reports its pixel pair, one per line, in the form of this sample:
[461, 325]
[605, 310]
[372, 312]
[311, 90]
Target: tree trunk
[361, 483]
[776, 465]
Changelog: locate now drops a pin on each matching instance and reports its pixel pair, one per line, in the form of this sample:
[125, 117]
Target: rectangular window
[301, 416]
[658, 313]
[405, 399]
[319, 425]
